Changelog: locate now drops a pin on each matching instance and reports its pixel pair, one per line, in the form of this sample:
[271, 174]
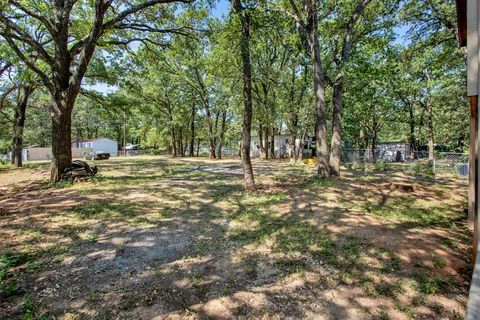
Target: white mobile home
[37, 153]
[100, 144]
[282, 145]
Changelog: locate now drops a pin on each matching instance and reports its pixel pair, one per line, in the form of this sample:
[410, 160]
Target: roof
[390, 142]
[89, 140]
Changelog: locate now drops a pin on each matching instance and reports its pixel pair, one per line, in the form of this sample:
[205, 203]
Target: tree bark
[210, 130]
[261, 141]
[411, 122]
[61, 137]
[172, 134]
[336, 142]
[293, 138]
[222, 133]
[431, 133]
[323, 169]
[68, 60]
[272, 144]
[267, 132]
[192, 131]
[249, 181]
[292, 154]
[180, 143]
[24, 93]
[301, 146]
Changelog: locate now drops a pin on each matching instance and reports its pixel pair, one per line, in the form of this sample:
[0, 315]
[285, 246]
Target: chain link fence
[420, 162]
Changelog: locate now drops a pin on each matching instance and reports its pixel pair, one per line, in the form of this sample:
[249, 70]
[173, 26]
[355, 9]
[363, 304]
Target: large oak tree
[57, 40]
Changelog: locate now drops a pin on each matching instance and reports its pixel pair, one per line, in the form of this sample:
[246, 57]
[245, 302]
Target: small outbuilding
[99, 144]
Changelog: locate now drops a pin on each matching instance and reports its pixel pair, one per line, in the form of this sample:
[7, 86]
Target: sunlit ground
[155, 238]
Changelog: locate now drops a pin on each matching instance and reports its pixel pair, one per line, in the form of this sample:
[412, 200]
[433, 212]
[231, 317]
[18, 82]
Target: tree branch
[43, 76]
[134, 9]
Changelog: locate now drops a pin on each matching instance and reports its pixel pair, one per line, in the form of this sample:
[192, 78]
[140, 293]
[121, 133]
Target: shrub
[380, 165]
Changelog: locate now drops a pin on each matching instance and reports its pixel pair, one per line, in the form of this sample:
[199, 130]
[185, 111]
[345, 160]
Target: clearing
[162, 238]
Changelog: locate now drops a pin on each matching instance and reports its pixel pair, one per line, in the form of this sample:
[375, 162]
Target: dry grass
[156, 237]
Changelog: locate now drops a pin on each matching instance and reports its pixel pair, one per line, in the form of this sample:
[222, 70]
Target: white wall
[282, 148]
[106, 145]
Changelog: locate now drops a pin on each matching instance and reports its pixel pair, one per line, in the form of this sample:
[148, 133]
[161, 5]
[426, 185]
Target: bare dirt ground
[157, 238]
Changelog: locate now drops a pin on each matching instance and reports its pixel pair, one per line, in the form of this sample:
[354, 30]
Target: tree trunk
[198, 146]
[61, 136]
[210, 130]
[362, 140]
[180, 143]
[23, 95]
[192, 131]
[272, 144]
[292, 154]
[222, 133]
[431, 133]
[261, 142]
[185, 143]
[174, 141]
[411, 122]
[249, 181]
[293, 138]
[336, 143]
[267, 132]
[301, 146]
[374, 145]
[172, 132]
[215, 132]
[323, 169]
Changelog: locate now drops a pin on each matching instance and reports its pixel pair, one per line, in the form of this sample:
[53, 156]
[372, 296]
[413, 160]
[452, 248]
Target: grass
[427, 285]
[103, 209]
[413, 210]
[231, 241]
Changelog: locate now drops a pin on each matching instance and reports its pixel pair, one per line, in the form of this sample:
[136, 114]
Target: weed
[10, 290]
[430, 286]
[316, 182]
[450, 243]
[386, 289]
[30, 309]
[420, 300]
[405, 308]
[380, 165]
[288, 266]
[383, 315]
[10, 259]
[346, 277]
[438, 262]
[102, 209]
[414, 210]
[128, 303]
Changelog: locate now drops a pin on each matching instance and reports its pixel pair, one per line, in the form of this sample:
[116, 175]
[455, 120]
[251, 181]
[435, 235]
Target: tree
[21, 82]
[57, 42]
[245, 20]
[341, 55]
[307, 25]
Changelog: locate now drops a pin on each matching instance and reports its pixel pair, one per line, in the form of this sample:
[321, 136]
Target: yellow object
[310, 161]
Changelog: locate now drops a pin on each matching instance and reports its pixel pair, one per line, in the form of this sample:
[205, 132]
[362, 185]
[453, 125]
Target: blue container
[462, 169]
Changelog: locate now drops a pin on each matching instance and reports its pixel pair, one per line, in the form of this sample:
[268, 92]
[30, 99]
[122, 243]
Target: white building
[100, 144]
[282, 145]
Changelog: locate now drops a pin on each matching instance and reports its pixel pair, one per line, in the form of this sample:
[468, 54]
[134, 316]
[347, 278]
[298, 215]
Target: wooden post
[473, 169]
